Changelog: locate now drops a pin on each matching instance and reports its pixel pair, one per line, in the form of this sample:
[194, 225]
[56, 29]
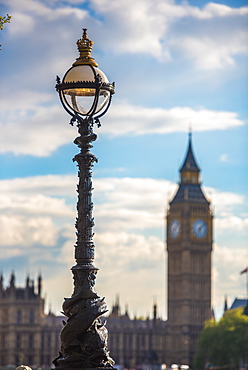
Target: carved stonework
[84, 335]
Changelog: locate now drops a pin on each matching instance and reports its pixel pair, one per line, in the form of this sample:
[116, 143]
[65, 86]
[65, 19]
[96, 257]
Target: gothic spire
[12, 279]
[27, 281]
[39, 284]
[190, 169]
[189, 184]
[225, 304]
[1, 281]
[155, 307]
[190, 162]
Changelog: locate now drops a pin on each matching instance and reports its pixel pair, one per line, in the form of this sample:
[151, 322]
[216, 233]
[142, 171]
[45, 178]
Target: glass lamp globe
[88, 91]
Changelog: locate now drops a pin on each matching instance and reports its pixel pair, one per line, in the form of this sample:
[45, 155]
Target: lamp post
[85, 94]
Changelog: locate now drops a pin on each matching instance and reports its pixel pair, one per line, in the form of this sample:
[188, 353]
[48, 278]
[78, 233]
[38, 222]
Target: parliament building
[29, 336]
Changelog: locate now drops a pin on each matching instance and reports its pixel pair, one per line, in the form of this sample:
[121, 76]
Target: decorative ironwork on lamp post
[85, 93]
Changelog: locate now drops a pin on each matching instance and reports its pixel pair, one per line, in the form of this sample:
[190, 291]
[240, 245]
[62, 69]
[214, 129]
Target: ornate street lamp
[85, 93]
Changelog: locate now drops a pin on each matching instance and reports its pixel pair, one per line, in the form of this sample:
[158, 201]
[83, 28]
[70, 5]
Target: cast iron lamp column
[85, 93]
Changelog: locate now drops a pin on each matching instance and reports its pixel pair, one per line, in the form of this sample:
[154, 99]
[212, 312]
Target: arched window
[19, 317]
[31, 316]
[18, 340]
[31, 341]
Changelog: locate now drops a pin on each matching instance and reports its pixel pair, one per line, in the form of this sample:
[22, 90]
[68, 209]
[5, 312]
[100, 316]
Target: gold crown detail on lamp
[85, 47]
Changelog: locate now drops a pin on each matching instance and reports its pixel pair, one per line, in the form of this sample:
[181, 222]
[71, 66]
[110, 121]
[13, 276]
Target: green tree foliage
[225, 342]
[3, 20]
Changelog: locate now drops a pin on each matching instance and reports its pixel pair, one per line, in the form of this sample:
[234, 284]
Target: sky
[176, 64]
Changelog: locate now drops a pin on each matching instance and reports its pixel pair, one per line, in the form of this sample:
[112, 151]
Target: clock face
[174, 228]
[200, 228]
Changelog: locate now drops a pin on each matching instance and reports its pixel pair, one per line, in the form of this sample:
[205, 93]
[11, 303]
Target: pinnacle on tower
[39, 284]
[126, 310]
[155, 311]
[225, 304]
[27, 281]
[1, 281]
[12, 279]
[190, 169]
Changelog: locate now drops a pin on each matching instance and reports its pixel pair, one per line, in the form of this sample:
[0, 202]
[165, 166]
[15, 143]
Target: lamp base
[89, 350]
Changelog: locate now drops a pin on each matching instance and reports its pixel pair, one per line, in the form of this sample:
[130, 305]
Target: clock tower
[189, 245]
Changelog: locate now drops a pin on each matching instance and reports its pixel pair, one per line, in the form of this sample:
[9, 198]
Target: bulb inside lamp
[81, 99]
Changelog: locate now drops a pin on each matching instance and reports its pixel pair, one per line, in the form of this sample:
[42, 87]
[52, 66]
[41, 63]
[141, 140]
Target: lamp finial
[85, 47]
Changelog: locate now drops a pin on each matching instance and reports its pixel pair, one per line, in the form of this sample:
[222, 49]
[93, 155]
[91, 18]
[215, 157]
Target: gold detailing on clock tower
[189, 177]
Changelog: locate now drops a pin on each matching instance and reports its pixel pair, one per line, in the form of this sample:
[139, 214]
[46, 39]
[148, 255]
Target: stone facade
[27, 334]
[136, 342]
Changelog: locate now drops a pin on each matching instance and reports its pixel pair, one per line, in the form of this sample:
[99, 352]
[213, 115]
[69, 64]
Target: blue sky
[175, 64]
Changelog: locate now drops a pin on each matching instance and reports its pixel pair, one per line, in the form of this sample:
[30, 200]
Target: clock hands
[199, 228]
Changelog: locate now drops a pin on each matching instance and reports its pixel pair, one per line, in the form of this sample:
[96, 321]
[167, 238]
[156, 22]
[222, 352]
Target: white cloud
[211, 54]
[221, 10]
[224, 157]
[224, 201]
[139, 26]
[47, 185]
[211, 37]
[126, 250]
[47, 128]
[12, 253]
[232, 224]
[24, 231]
[37, 204]
[30, 6]
[141, 120]
[33, 211]
[23, 9]
[21, 24]
[228, 212]
[129, 191]
[210, 10]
